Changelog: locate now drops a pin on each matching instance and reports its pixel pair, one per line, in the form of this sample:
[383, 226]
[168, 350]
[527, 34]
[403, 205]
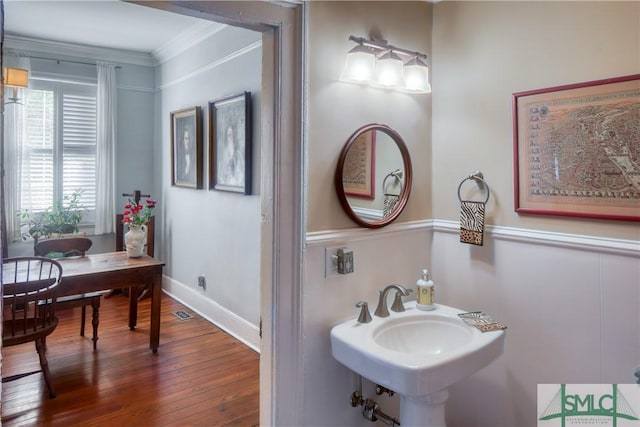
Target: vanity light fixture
[360, 65]
[416, 75]
[379, 64]
[15, 78]
[389, 70]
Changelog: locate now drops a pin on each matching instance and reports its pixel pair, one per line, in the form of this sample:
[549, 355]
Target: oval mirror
[373, 176]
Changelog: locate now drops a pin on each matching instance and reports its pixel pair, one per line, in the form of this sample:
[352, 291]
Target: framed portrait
[230, 144]
[358, 174]
[577, 150]
[186, 148]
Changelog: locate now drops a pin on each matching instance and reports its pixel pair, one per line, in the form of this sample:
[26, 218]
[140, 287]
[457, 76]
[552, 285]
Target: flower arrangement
[137, 214]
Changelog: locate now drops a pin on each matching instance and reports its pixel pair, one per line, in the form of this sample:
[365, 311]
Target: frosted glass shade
[389, 70]
[359, 65]
[416, 76]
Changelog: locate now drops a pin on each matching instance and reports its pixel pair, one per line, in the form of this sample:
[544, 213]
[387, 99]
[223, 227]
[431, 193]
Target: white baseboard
[226, 320]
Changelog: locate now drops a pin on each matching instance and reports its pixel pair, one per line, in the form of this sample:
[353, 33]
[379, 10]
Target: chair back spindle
[29, 298]
[29, 286]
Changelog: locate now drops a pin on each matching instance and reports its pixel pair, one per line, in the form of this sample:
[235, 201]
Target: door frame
[282, 228]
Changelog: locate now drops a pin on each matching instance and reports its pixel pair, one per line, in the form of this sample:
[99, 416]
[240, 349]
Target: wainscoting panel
[571, 304]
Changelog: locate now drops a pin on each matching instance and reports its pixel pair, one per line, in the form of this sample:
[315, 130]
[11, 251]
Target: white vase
[135, 240]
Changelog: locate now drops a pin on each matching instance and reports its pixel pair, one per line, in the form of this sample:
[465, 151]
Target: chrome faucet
[364, 316]
[381, 309]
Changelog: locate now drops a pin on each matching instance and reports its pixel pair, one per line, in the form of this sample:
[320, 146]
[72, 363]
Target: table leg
[95, 321]
[154, 334]
[133, 307]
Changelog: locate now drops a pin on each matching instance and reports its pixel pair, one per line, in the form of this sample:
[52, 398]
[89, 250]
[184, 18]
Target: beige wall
[480, 53]
[485, 51]
[336, 109]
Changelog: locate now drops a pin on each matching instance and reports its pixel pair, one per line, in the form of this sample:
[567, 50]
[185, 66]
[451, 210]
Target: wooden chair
[66, 247]
[29, 307]
[120, 230]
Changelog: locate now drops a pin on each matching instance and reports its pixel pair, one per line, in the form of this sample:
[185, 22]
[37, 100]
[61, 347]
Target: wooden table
[115, 270]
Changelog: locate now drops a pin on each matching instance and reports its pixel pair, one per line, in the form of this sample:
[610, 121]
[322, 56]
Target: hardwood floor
[201, 376]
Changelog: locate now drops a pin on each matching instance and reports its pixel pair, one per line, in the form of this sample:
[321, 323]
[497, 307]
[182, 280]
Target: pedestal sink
[418, 354]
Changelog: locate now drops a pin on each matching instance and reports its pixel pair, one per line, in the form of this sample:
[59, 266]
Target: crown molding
[21, 43]
[188, 38]
[212, 65]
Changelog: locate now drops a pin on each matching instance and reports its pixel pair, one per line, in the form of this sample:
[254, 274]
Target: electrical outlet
[201, 282]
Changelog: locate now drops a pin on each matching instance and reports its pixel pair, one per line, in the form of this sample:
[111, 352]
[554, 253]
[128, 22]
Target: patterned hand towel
[390, 202]
[472, 222]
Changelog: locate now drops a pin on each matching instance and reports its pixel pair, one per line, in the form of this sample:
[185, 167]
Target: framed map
[577, 150]
[359, 172]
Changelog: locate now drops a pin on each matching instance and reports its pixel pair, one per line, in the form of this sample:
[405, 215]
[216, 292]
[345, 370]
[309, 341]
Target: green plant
[63, 217]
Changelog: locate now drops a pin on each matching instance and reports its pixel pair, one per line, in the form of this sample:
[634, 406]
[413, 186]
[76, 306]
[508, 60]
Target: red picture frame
[576, 152]
[359, 173]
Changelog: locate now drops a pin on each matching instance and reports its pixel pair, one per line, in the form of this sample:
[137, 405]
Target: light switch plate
[345, 261]
[331, 261]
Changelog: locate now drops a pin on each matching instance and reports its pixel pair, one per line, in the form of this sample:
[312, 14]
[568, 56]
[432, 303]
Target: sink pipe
[371, 409]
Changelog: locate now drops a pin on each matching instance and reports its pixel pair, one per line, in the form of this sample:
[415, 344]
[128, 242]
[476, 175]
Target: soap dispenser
[425, 292]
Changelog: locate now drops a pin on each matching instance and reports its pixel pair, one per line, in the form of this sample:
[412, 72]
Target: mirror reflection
[373, 177]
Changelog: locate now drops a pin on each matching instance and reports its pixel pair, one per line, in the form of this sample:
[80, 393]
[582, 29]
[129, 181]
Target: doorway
[282, 230]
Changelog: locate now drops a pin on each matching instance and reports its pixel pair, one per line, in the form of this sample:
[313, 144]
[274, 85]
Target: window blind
[79, 147]
[60, 151]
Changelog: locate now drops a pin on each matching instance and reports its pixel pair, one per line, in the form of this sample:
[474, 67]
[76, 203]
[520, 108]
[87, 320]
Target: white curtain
[106, 148]
[14, 134]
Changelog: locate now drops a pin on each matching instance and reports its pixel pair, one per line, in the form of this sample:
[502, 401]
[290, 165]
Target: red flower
[137, 214]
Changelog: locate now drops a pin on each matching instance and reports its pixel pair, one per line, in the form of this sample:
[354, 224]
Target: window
[60, 145]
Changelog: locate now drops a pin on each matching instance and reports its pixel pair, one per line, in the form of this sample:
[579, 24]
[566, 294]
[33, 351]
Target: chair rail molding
[318, 238]
[551, 238]
[537, 237]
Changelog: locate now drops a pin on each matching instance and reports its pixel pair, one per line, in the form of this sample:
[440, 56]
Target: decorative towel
[481, 320]
[390, 202]
[472, 222]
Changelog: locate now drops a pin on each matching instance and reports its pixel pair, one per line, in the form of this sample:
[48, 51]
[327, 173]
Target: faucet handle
[397, 305]
[364, 316]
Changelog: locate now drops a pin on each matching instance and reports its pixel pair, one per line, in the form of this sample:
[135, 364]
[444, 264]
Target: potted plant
[63, 217]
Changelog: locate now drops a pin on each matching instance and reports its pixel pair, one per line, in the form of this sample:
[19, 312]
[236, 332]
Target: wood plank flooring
[201, 376]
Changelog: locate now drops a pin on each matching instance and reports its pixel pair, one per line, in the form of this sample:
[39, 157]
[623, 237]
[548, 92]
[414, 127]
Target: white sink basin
[415, 353]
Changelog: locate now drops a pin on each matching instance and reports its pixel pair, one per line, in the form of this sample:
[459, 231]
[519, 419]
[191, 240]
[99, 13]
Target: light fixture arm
[383, 46]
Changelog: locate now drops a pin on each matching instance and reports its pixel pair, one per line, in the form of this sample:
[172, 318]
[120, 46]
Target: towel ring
[478, 177]
[397, 174]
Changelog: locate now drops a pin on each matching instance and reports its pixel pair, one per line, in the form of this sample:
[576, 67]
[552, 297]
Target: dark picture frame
[186, 148]
[575, 151]
[230, 144]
